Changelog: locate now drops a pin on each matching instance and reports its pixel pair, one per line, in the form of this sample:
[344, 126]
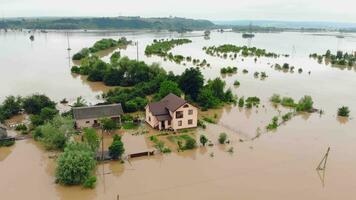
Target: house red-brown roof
[169, 103]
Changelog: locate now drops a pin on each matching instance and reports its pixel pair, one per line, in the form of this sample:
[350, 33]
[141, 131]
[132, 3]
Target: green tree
[109, 124]
[207, 99]
[80, 102]
[343, 111]
[34, 104]
[203, 139]
[168, 87]
[75, 165]
[117, 148]
[91, 138]
[222, 138]
[191, 82]
[305, 104]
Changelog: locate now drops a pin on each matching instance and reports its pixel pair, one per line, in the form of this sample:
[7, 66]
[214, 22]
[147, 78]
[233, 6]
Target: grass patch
[129, 125]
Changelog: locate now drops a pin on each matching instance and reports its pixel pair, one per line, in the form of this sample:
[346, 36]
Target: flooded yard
[274, 165]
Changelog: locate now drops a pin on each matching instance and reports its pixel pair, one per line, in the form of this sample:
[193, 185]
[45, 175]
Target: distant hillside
[175, 24]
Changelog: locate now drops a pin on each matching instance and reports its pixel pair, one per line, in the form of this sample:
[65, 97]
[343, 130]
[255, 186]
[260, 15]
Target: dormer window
[186, 106]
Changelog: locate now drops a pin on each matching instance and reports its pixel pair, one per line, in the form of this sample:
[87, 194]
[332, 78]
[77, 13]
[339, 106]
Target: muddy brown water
[277, 165]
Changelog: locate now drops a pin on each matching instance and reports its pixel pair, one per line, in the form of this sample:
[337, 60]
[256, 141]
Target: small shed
[90, 116]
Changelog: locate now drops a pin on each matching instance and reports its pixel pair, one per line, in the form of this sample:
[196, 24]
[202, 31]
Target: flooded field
[273, 165]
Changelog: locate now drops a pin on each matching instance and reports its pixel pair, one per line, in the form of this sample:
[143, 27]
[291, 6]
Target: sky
[286, 10]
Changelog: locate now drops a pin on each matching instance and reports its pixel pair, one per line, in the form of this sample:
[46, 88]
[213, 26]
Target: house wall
[153, 122]
[87, 123]
[186, 117]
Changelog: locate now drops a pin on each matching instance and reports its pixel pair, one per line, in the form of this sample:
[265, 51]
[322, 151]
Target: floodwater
[274, 165]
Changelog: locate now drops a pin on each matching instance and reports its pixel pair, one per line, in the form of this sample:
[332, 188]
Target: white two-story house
[172, 112]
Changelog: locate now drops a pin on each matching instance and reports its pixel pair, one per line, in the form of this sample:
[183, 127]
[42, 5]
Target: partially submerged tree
[343, 111]
[75, 165]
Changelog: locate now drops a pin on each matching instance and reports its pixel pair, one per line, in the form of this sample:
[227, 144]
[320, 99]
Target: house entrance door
[163, 124]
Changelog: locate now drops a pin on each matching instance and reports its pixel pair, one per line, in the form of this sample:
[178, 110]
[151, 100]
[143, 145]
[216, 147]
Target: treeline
[173, 24]
[35, 105]
[100, 45]
[190, 83]
[340, 58]
[162, 47]
[232, 51]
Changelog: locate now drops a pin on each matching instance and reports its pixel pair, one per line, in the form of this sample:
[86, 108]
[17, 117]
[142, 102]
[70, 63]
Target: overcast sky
[296, 10]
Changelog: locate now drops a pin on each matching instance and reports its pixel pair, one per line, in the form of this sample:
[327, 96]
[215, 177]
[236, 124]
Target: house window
[190, 122]
[179, 114]
[87, 122]
[180, 123]
[190, 112]
[149, 118]
[169, 122]
[186, 106]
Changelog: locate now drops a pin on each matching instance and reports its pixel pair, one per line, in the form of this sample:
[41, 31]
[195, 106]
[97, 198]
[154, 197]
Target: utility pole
[102, 144]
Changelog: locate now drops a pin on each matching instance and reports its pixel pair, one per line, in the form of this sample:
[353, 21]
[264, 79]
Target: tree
[109, 124]
[114, 58]
[168, 87]
[11, 106]
[117, 148]
[80, 102]
[343, 111]
[305, 104]
[241, 102]
[191, 82]
[207, 99]
[217, 87]
[91, 138]
[222, 138]
[75, 165]
[34, 104]
[54, 134]
[203, 139]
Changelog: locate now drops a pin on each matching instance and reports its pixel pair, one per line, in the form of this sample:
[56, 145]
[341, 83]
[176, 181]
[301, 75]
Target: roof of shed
[95, 112]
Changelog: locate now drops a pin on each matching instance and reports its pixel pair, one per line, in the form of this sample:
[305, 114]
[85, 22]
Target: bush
[75, 70]
[305, 104]
[109, 124]
[75, 165]
[274, 124]
[203, 139]
[117, 148]
[91, 138]
[241, 102]
[343, 112]
[288, 102]
[21, 127]
[276, 99]
[90, 182]
[190, 143]
[222, 138]
[7, 143]
[236, 83]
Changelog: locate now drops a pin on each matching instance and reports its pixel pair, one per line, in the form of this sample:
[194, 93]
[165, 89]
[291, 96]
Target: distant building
[3, 132]
[90, 116]
[172, 112]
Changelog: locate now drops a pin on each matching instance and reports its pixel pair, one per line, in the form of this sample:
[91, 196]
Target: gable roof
[170, 102]
[95, 112]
